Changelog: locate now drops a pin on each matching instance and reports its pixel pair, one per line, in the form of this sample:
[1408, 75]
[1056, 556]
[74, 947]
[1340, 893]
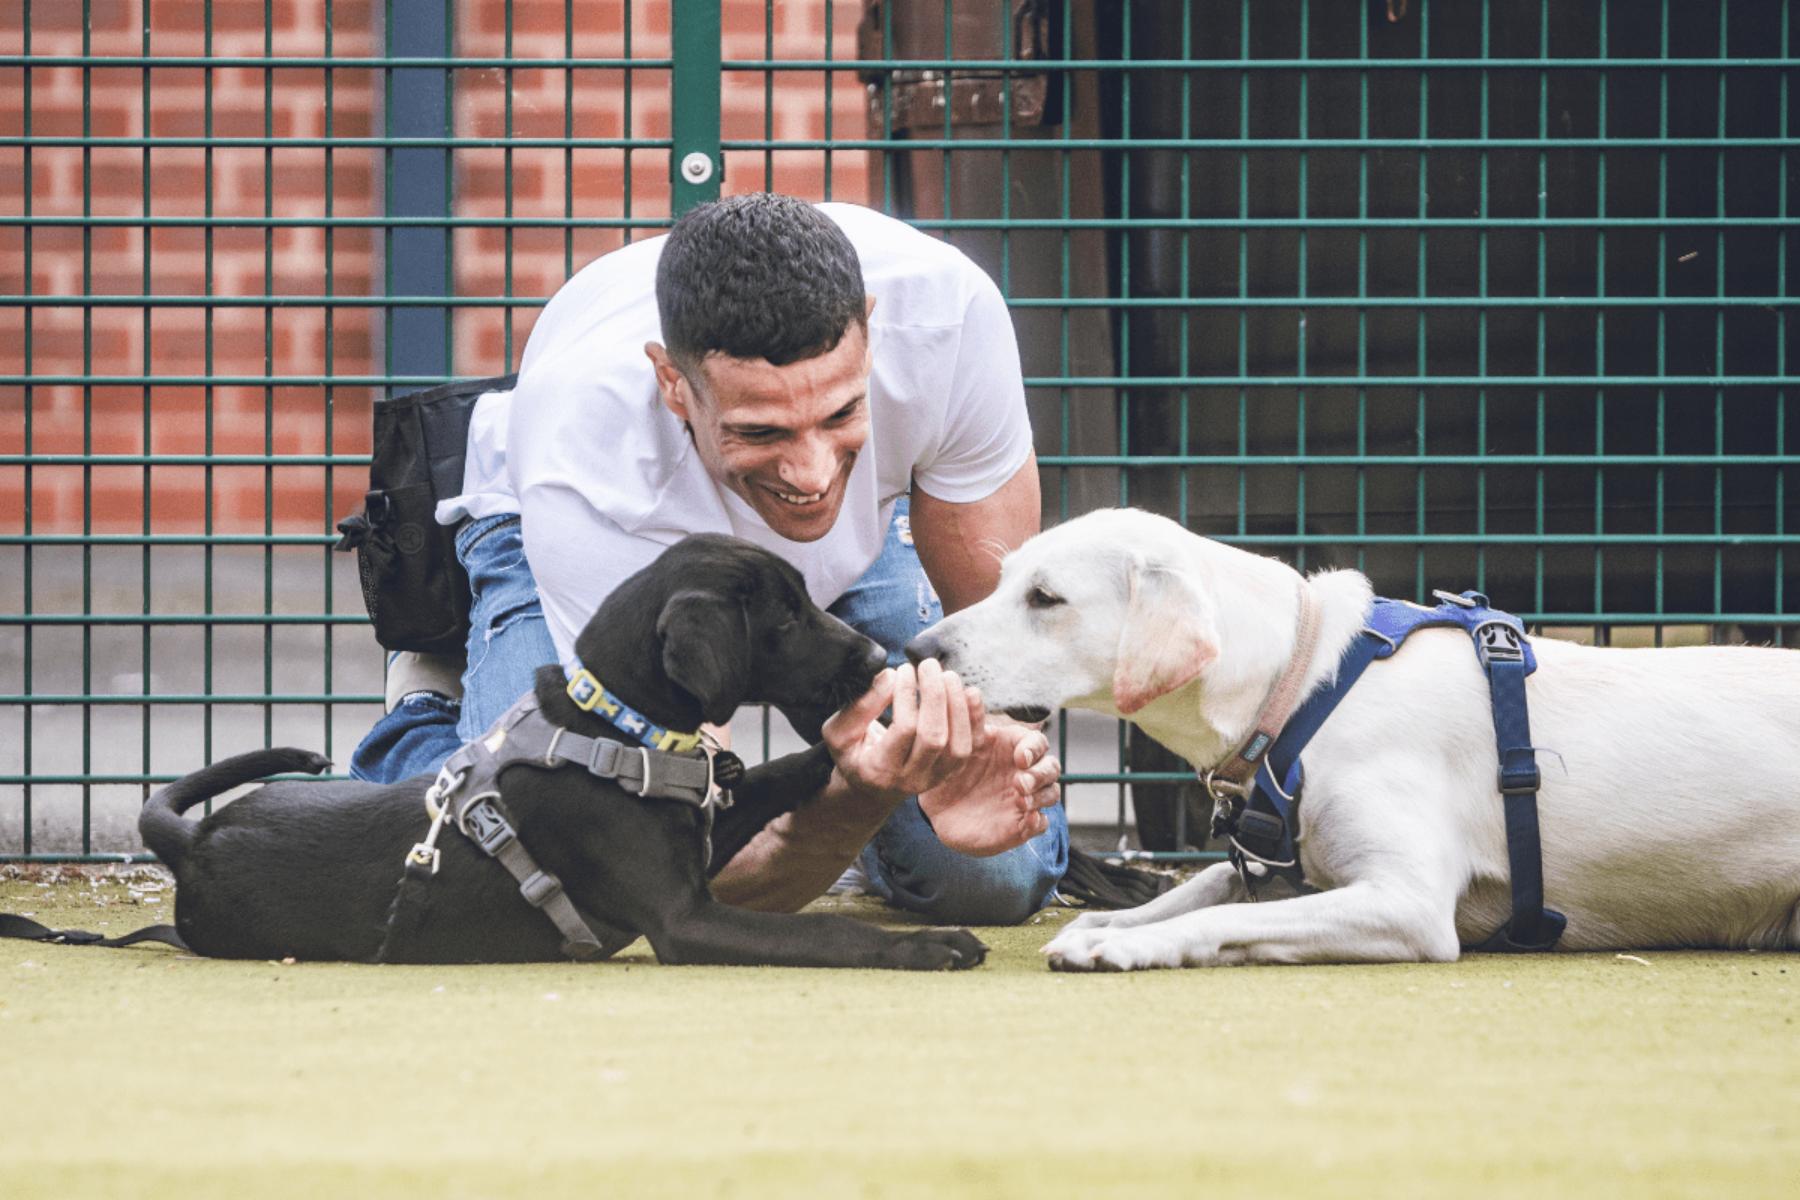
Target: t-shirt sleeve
[986, 434]
[577, 558]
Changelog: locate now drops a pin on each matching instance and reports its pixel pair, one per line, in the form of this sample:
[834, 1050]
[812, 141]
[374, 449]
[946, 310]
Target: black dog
[310, 869]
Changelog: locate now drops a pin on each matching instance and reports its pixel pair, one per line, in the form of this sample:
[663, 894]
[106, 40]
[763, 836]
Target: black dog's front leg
[721, 935]
[766, 792]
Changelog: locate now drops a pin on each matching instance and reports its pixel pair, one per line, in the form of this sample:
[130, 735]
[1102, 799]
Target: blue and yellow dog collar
[590, 695]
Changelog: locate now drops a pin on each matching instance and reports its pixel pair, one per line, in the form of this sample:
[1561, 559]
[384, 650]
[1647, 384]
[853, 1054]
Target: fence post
[695, 163]
[418, 184]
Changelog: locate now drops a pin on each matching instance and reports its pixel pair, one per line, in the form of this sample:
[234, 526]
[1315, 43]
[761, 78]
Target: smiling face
[783, 438]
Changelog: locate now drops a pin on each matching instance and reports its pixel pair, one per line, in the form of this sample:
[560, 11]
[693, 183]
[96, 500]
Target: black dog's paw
[937, 950]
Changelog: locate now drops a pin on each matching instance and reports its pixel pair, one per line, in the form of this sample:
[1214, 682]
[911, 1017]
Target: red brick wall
[161, 337]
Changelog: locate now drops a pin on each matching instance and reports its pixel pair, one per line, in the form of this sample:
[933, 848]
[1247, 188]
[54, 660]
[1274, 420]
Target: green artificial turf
[147, 1072]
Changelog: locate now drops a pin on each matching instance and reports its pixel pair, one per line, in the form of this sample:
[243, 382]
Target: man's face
[783, 438]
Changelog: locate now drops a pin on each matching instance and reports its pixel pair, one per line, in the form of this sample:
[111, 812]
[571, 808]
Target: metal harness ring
[443, 786]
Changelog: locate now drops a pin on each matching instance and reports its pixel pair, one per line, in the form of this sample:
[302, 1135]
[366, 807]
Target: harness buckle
[1498, 642]
[714, 780]
[540, 888]
[1519, 774]
[1460, 601]
[483, 823]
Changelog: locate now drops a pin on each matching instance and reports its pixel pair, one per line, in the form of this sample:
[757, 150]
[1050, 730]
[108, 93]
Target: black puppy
[311, 869]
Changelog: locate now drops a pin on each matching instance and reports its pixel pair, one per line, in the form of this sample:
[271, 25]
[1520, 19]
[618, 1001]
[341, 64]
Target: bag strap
[1098, 883]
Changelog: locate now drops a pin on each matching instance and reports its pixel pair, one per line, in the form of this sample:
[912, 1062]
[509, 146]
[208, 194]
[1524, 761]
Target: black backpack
[414, 586]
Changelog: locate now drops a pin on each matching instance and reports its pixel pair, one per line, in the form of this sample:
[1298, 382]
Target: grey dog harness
[466, 794]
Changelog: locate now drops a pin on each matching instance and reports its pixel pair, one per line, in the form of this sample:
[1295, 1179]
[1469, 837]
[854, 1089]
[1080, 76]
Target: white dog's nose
[925, 646]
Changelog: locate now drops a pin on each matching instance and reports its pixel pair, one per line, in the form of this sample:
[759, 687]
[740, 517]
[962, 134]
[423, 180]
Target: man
[841, 389]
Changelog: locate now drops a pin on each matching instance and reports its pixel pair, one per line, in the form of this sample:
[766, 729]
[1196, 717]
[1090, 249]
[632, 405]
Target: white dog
[1670, 804]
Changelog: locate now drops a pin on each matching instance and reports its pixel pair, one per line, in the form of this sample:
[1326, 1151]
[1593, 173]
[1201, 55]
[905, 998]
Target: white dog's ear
[1165, 642]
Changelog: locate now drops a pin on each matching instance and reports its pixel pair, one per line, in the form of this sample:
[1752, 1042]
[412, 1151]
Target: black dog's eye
[1038, 597]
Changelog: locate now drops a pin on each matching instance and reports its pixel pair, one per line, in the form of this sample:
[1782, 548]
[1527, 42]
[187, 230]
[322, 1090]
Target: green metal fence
[1489, 295]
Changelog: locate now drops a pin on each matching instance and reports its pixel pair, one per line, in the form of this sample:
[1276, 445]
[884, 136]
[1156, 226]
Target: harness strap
[1532, 926]
[14, 926]
[640, 770]
[467, 791]
[544, 891]
[1259, 817]
[524, 734]
[1261, 825]
[482, 816]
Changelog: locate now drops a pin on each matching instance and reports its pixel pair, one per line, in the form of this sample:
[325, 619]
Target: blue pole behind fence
[419, 185]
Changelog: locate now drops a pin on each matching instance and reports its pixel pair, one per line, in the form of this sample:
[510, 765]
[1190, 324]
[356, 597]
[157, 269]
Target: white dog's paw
[1111, 950]
[1135, 950]
[1072, 950]
[1090, 920]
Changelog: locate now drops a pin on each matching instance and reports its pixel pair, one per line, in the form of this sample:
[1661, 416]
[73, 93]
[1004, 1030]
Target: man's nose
[810, 467]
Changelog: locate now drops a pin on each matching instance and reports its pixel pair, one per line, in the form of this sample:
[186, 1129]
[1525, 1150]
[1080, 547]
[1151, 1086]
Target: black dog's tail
[160, 824]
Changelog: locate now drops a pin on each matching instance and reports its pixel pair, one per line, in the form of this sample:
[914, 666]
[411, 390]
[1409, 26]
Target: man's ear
[706, 651]
[668, 380]
[1165, 641]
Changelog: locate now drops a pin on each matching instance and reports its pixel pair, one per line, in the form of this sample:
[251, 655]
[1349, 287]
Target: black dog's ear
[706, 650]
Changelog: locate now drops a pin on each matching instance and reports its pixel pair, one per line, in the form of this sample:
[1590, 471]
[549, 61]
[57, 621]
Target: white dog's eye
[1038, 597]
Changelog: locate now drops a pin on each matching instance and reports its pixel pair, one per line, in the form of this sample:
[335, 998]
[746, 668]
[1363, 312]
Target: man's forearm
[801, 853]
[960, 545]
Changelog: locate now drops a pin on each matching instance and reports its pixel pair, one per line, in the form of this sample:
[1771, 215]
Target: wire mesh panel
[1490, 295]
[217, 251]
[1487, 294]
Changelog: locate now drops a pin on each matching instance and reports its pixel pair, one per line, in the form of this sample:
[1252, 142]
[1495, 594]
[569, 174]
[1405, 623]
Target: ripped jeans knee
[508, 636]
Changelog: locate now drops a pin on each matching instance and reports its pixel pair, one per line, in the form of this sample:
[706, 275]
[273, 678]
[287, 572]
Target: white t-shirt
[605, 477]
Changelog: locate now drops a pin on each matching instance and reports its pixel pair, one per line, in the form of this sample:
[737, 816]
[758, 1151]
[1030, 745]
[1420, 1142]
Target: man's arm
[801, 853]
[794, 858]
[960, 545]
[937, 732]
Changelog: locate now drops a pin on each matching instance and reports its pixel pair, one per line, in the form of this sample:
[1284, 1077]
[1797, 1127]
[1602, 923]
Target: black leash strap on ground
[13, 926]
[1101, 884]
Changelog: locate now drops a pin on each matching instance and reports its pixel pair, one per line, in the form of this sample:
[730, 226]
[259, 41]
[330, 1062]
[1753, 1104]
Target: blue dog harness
[1258, 818]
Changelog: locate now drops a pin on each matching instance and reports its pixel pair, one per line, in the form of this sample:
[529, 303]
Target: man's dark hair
[757, 276]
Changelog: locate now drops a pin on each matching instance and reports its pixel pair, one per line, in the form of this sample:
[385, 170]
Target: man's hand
[982, 783]
[937, 723]
[996, 801]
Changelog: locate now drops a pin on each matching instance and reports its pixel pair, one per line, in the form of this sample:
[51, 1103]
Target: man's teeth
[796, 498]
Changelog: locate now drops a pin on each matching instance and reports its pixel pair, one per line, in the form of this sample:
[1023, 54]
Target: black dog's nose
[925, 646]
[874, 658]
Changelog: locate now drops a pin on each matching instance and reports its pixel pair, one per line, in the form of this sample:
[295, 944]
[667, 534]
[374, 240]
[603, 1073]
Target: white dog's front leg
[1363, 922]
[1217, 884]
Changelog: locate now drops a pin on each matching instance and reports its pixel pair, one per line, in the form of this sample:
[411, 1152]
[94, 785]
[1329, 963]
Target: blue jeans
[508, 642]
[906, 864]
[892, 603]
